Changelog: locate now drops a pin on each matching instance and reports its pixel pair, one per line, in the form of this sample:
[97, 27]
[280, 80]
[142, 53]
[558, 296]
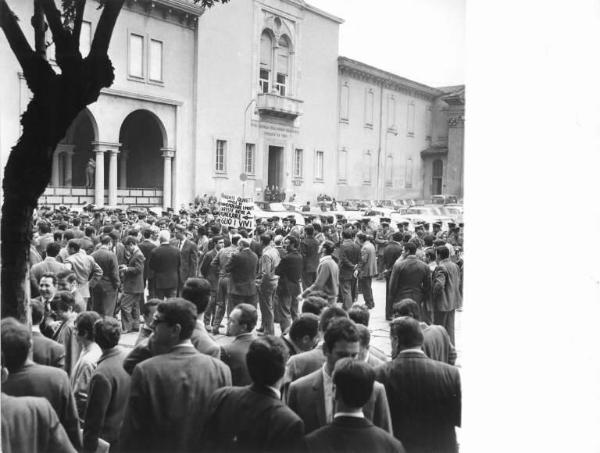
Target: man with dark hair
[309, 249]
[165, 264]
[328, 274]
[242, 322]
[85, 267]
[212, 275]
[220, 263]
[48, 265]
[67, 281]
[314, 304]
[382, 238]
[146, 247]
[30, 379]
[359, 314]
[266, 283]
[86, 242]
[48, 289]
[253, 418]
[391, 253]
[447, 291]
[365, 354]
[303, 334]
[169, 392]
[45, 237]
[104, 293]
[242, 267]
[132, 276]
[311, 396]
[288, 288]
[189, 254]
[108, 391]
[88, 358]
[349, 257]
[350, 431]
[411, 278]
[436, 341]
[425, 395]
[45, 351]
[197, 291]
[62, 305]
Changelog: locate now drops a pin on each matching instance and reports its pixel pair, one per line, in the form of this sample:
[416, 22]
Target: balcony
[281, 106]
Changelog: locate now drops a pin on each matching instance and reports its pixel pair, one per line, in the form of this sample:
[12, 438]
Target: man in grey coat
[447, 291]
[367, 268]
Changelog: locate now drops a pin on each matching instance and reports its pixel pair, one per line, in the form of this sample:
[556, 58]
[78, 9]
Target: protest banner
[237, 212]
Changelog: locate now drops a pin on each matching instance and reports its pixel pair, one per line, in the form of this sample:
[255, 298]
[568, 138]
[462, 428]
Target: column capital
[125, 152]
[102, 147]
[167, 152]
[65, 148]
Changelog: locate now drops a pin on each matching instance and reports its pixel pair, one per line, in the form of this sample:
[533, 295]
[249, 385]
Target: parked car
[444, 199]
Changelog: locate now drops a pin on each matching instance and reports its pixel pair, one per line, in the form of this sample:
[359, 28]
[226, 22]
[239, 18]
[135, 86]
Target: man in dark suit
[165, 262]
[311, 397]
[309, 249]
[189, 255]
[392, 251]
[30, 379]
[104, 293]
[48, 265]
[48, 286]
[411, 278]
[212, 275]
[242, 322]
[447, 291]
[350, 431]
[288, 289]
[169, 392]
[133, 285]
[108, 389]
[253, 418]
[425, 395]
[349, 257]
[45, 351]
[367, 268]
[146, 247]
[242, 267]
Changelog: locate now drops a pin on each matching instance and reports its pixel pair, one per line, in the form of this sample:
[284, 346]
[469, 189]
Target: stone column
[123, 168]
[168, 155]
[112, 177]
[99, 178]
[55, 181]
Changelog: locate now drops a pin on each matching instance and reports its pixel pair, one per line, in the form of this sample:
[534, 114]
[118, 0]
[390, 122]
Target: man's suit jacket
[189, 259]
[446, 286]
[47, 352]
[242, 267]
[250, 419]
[411, 278]
[352, 434]
[368, 260]
[86, 269]
[349, 257]
[168, 400]
[425, 401]
[303, 364]
[234, 355]
[391, 253]
[309, 248]
[203, 342]
[208, 271]
[50, 383]
[306, 397]
[133, 276]
[108, 392]
[30, 424]
[107, 261]
[437, 344]
[146, 247]
[165, 261]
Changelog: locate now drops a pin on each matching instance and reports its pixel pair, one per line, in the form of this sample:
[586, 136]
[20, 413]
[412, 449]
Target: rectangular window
[220, 153]
[369, 100]
[408, 174]
[156, 60]
[319, 159]
[410, 120]
[367, 167]
[428, 124]
[344, 102]
[297, 170]
[281, 83]
[85, 38]
[342, 164]
[391, 112]
[136, 55]
[263, 80]
[389, 171]
[249, 158]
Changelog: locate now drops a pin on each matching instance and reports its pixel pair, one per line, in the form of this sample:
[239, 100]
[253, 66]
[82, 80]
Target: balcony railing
[281, 106]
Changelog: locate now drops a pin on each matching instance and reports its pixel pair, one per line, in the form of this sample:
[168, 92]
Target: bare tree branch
[105, 27]
[39, 29]
[79, 10]
[16, 39]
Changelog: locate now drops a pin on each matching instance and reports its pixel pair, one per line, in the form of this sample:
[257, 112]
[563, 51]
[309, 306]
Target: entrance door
[275, 166]
[438, 173]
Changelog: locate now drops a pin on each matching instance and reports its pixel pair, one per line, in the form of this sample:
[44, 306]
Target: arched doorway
[142, 136]
[437, 177]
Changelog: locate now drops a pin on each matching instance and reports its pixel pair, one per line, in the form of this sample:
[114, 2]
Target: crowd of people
[179, 278]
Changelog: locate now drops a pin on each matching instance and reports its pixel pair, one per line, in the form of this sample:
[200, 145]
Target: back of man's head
[63, 301]
[266, 359]
[364, 336]
[406, 307]
[328, 247]
[164, 236]
[330, 314]
[410, 248]
[341, 329]
[37, 311]
[85, 324]
[197, 291]
[16, 342]
[107, 332]
[353, 381]
[407, 332]
[73, 244]
[442, 252]
[314, 304]
[248, 316]
[309, 230]
[265, 239]
[235, 239]
[89, 231]
[52, 249]
[397, 236]
[359, 313]
[179, 311]
[306, 324]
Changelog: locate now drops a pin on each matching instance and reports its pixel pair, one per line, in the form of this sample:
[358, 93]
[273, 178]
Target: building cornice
[362, 71]
[140, 97]
[320, 12]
